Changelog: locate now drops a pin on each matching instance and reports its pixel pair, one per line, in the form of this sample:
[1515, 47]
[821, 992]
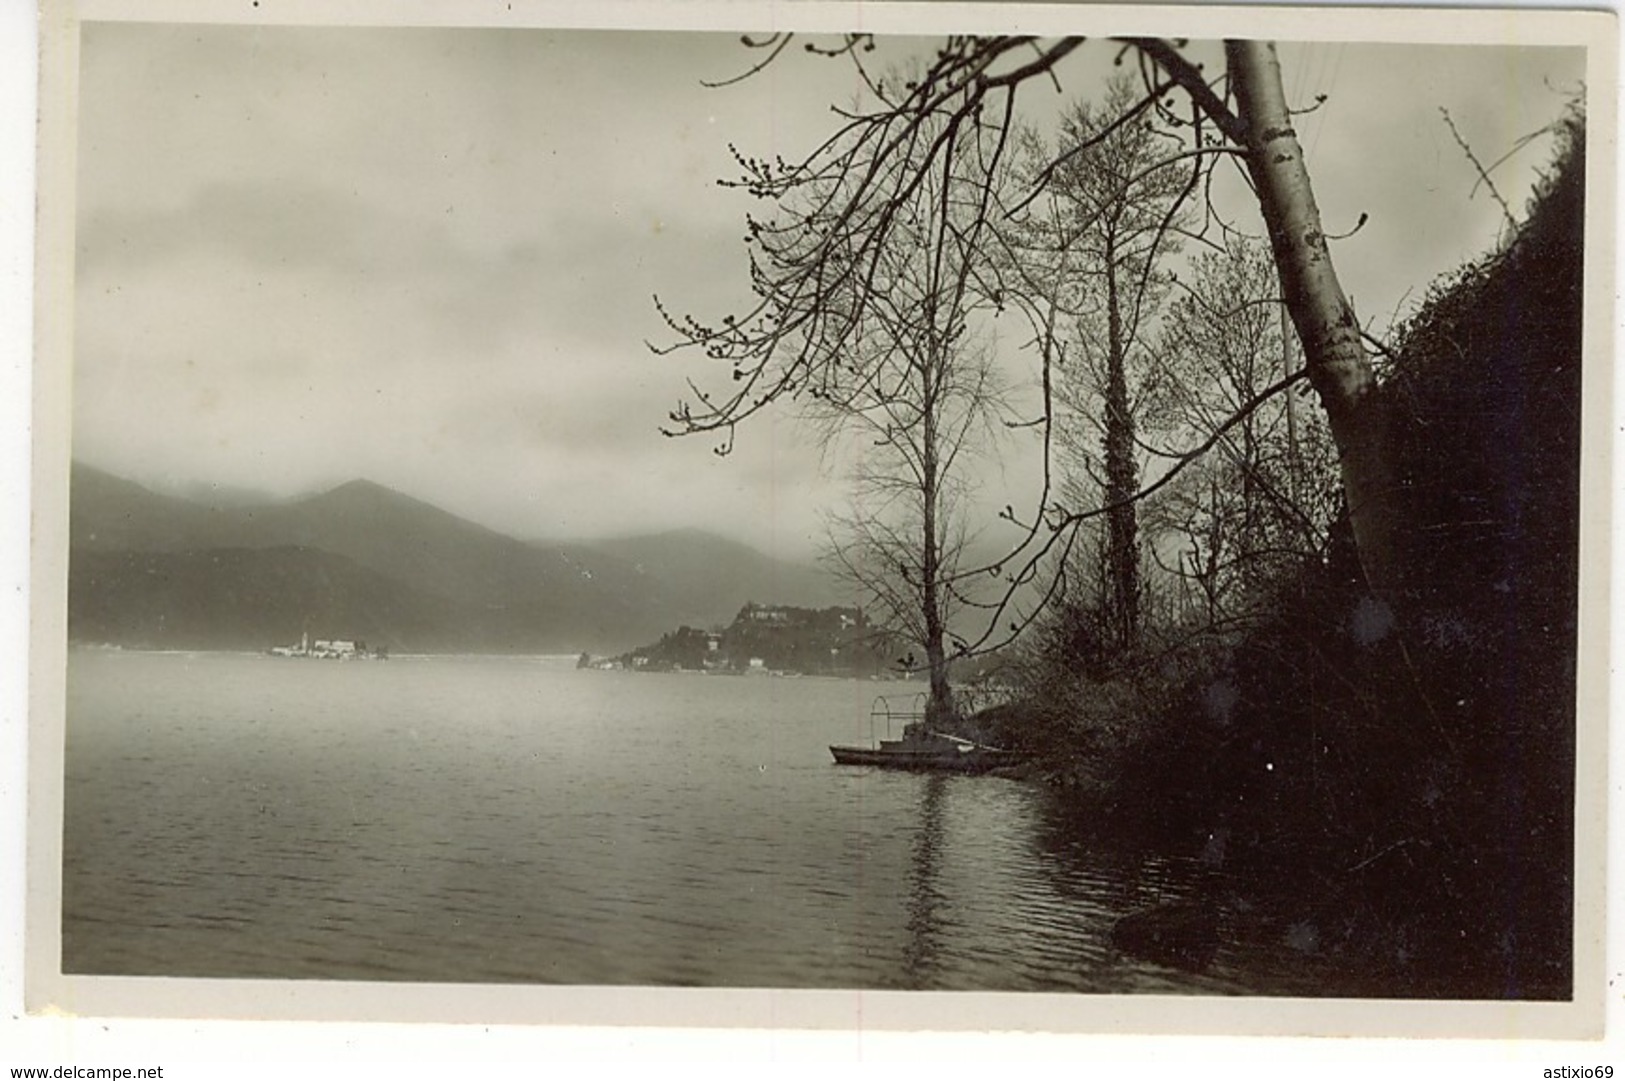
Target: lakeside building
[331, 649]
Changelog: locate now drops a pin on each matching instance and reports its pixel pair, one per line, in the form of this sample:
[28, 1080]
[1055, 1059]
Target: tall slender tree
[917, 400]
[903, 542]
[1113, 213]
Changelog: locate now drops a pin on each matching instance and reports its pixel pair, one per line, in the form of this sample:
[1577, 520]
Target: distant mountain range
[363, 561]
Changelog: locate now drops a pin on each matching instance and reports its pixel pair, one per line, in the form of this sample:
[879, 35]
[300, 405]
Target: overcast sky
[426, 257]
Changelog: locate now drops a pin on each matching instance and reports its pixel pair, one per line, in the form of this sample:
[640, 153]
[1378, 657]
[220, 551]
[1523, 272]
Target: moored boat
[922, 748]
[933, 752]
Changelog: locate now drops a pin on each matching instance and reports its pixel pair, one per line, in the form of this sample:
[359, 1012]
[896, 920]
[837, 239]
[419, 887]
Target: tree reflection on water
[921, 961]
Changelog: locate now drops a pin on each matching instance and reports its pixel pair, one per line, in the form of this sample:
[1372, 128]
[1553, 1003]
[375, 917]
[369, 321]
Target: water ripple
[497, 820]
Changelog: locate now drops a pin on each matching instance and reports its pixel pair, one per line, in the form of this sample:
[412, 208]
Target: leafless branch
[1483, 174]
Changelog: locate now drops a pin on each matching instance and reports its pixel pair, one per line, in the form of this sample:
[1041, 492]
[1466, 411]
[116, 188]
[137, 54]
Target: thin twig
[1483, 174]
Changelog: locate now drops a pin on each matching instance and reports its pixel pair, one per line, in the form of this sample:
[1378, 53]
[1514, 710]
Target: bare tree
[917, 397]
[814, 273]
[1262, 501]
[903, 542]
[1113, 213]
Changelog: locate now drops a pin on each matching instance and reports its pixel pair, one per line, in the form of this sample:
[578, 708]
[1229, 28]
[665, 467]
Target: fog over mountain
[364, 561]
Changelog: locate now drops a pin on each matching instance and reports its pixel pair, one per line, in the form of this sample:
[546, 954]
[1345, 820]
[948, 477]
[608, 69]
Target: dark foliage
[1401, 780]
[1487, 423]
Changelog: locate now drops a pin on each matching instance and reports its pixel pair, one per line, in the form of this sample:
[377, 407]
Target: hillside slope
[418, 576]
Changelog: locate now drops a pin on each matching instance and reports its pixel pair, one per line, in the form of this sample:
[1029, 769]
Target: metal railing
[884, 708]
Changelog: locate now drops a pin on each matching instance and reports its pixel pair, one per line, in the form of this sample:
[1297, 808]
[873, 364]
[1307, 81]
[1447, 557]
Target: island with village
[766, 639]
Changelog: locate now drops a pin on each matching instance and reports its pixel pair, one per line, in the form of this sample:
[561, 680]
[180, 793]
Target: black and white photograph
[860, 504]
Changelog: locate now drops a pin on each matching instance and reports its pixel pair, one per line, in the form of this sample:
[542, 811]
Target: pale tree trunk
[1339, 368]
[939, 703]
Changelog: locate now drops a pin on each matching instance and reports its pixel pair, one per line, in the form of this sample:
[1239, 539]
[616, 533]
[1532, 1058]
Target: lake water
[514, 820]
